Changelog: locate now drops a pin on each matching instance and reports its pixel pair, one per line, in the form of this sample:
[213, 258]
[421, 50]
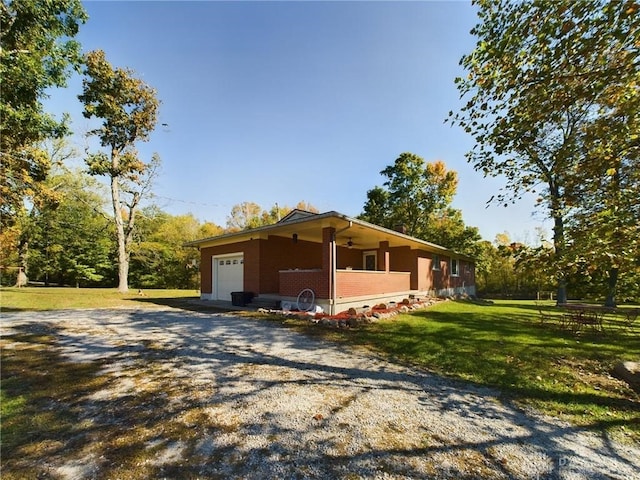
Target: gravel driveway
[272, 403]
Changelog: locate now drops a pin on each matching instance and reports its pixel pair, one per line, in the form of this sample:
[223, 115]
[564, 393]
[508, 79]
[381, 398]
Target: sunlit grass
[58, 298]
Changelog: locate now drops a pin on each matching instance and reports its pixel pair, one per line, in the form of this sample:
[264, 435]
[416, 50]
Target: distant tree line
[72, 239]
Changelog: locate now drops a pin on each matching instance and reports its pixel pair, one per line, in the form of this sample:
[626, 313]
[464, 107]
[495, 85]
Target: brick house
[345, 262]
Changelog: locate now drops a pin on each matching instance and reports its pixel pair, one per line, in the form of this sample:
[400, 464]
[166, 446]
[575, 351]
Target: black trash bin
[237, 299]
[240, 299]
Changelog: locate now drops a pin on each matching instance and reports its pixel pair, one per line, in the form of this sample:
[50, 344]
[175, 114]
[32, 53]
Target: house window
[370, 260]
[455, 267]
[436, 262]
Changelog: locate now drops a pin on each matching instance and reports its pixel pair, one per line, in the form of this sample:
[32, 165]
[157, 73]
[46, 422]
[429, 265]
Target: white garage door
[228, 276]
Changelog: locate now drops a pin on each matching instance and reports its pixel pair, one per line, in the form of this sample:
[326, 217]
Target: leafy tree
[243, 216]
[544, 81]
[37, 51]
[209, 229]
[302, 205]
[605, 191]
[71, 240]
[417, 196]
[609, 248]
[157, 249]
[9, 258]
[251, 215]
[415, 191]
[17, 237]
[489, 265]
[158, 258]
[376, 208]
[276, 212]
[447, 228]
[128, 108]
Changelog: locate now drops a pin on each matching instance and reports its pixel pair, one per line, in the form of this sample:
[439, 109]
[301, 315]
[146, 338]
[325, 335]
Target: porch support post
[383, 257]
[329, 264]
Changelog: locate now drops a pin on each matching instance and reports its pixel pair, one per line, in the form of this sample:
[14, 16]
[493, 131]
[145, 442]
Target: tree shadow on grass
[12, 309]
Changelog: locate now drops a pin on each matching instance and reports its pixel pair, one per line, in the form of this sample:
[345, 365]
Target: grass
[60, 298]
[502, 345]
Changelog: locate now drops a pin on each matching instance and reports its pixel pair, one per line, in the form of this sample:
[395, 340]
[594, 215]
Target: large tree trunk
[562, 292]
[610, 300]
[558, 244]
[618, 237]
[123, 254]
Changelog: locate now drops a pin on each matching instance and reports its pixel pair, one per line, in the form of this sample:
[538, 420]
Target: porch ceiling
[362, 237]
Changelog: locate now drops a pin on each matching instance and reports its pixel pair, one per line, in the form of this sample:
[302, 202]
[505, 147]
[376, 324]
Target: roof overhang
[364, 235]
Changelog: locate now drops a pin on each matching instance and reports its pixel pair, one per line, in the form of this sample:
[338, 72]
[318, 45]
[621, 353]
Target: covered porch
[352, 288]
[355, 267]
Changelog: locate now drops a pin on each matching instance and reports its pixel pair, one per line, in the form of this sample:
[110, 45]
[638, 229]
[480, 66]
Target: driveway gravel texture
[213, 395]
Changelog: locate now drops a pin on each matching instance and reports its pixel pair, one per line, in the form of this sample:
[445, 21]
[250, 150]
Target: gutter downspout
[334, 268]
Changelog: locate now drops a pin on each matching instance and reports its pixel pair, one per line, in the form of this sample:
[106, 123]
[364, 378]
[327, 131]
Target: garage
[228, 276]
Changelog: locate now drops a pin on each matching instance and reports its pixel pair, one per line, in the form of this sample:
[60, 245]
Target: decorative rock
[629, 372]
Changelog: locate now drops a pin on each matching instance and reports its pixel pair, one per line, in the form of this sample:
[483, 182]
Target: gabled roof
[308, 227]
[296, 214]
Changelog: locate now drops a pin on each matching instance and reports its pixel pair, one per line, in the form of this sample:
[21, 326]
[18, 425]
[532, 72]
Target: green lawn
[54, 298]
[503, 345]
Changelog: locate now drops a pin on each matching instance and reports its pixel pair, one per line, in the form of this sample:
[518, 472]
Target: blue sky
[278, 102]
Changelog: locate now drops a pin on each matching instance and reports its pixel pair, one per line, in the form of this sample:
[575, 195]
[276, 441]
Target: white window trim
[457, 261]
[436, 262]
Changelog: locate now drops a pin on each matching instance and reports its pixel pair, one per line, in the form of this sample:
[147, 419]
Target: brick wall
[206, 268]
[292, 282]
[355, 283]
[282, 253]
